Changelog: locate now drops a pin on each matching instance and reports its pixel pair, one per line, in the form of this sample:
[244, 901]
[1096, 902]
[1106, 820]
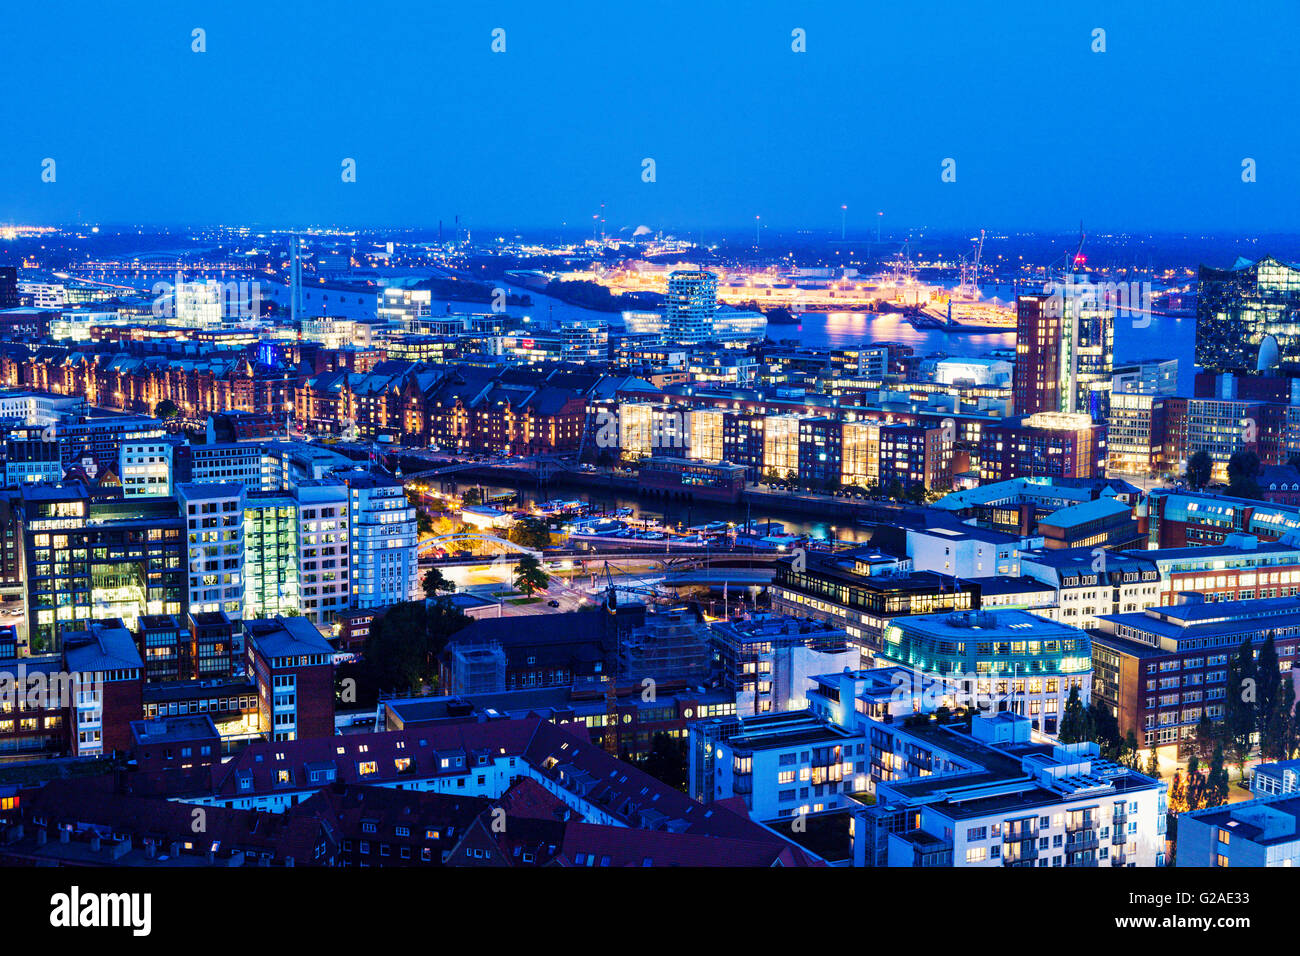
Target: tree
[1239, 703]
[530, 577]
[1205, 735]
[166, 409]
[1199, 468]
[434, 582]
[666, 761]
[404, 643]
[1105, 729]
[530, 532]
[1153, 765]
[1216, 784]
[1075, 722]
[1277, 740]
[423, 523]
[1243, 474]
[771, 476]
[472, 496]
[1268, 680]
[1128, 752]
[1195, 784]
[1177, 794]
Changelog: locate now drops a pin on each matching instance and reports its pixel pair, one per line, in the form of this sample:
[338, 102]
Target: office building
[1064, 347]
[214, 517]
[145, 468]
[1161, 668]
[90, 559]
[1025, 662]
[1247, 316]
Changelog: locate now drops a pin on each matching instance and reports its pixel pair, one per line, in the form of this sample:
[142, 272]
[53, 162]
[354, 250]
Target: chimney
[41, 836]
[95, 843]
[64, 836]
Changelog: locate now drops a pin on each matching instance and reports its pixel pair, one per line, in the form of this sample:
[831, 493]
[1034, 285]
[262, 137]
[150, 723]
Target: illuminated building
[293, 667]
[1147, 377]
[781, 445]
[860, 454]
[1046, 444]
[1135, 436]
[110, 693]
[1064, 347]
[1029, 661]
[915, 455]
[383, 551]
[820, 451]
[1237, 309]
[214, 514]
[954, 549]
[693, 480]
[165, 644]
[31, 456]
[584, 340]
[707, 428]
[1255, 833]
[689, 305]
[271, 552]
[767, 661]
[934, 792]
[323, 560]
[1090, 582]
[1161, 668]
[862, 591]
[636, 438]
[91, 560]
[779, 764]
[145, 468]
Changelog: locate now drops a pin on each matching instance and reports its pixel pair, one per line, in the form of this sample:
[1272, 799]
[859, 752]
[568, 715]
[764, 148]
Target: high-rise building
[689, 305]
[214, 517]
[323, 553]
[1064, 343]
[1238, 309]
[385, 562]
[271, 551]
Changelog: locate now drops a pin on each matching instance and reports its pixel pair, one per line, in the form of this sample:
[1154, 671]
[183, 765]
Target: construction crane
[642, 588]
[970, 272]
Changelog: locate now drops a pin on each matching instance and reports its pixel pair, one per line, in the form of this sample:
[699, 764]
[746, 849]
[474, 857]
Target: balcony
[1020, 853]
[1082, 842]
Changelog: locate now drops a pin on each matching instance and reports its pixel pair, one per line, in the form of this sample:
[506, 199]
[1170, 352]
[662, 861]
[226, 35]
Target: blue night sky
[1149, 135]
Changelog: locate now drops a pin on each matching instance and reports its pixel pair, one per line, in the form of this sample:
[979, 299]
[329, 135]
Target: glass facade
[1237, 308]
